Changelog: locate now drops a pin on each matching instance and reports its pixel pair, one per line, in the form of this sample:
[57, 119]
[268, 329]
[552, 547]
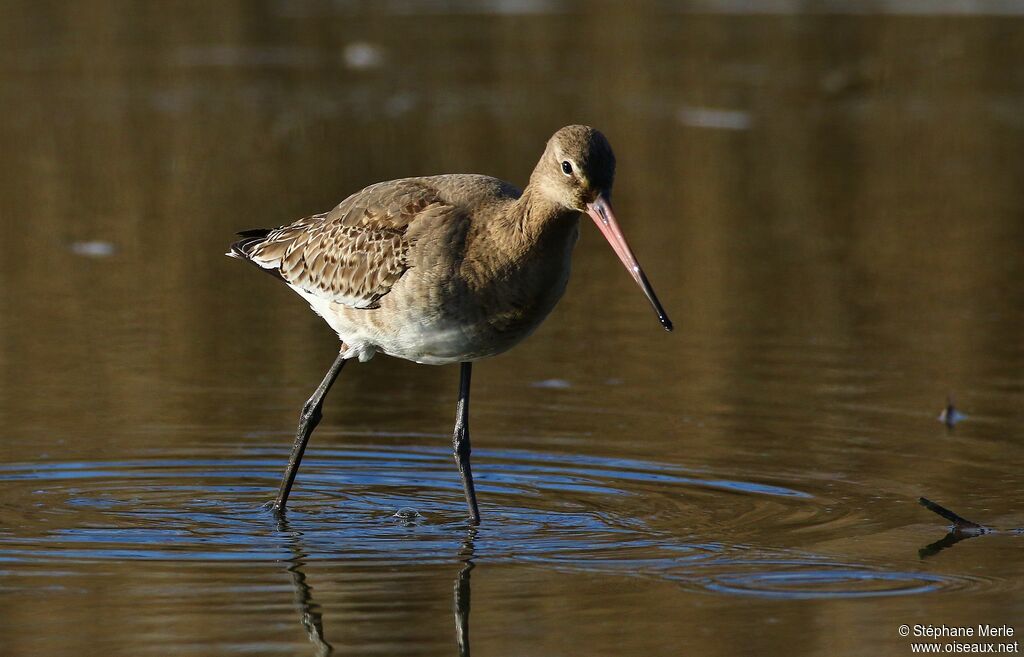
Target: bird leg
[460, 442]
[308, 419]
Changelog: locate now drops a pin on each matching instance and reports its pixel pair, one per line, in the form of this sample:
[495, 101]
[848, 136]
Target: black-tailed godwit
[444, 269]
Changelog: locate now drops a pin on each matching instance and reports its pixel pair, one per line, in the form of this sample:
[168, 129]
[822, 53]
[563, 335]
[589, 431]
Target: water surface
[827, 200]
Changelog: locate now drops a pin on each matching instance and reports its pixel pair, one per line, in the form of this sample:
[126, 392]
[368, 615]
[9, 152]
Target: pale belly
[434, 335]
[441, 343]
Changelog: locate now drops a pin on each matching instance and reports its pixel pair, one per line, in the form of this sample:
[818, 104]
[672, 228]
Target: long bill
[601, 212]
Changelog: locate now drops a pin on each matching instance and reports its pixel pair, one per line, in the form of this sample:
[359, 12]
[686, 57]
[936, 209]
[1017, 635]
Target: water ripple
[617, 516]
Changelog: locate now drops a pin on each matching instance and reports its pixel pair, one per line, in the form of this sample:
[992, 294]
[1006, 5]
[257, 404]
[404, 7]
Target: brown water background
[827, 196]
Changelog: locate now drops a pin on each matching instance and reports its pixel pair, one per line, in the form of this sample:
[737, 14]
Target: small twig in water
[960, 523]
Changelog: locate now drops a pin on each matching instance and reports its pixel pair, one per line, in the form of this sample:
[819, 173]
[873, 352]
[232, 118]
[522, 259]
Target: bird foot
[273, 507]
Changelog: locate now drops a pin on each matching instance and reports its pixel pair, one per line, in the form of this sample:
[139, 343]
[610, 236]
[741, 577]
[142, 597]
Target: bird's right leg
[460, 442]
[308, 419]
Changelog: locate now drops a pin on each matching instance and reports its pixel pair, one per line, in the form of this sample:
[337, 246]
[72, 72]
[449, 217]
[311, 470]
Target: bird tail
[242, 249]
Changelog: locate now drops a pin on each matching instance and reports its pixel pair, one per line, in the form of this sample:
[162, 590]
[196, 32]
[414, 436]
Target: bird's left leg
[308, 419]
[460, 442]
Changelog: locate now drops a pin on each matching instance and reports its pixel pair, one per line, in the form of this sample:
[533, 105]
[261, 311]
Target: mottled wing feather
[355, 253]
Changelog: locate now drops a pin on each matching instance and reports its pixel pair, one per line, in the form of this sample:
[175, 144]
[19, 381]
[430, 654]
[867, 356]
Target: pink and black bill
[600, 210]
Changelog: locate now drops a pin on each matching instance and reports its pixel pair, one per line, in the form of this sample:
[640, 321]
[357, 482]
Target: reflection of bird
[461, 594]
[444, 269]
[312, 618]
[311, 613]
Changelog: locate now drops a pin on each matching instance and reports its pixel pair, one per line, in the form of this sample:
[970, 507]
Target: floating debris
[360, 55]
[717, 119]
[93, 249]
[961, 530]
[556, 384]
[949, 415]
[960, 524]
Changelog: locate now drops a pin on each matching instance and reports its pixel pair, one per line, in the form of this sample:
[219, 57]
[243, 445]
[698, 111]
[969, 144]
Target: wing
[355, 253]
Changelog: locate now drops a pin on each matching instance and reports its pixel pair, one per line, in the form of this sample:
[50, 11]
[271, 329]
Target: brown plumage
[445, 269]
[353, 254]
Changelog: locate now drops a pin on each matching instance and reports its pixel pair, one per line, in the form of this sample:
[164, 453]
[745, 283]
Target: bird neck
[536, 218]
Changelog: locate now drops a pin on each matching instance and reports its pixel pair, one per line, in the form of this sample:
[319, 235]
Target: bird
[444, 269]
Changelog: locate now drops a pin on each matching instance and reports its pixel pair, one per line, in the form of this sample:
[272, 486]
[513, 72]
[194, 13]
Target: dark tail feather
[250, 238]
[242, 249]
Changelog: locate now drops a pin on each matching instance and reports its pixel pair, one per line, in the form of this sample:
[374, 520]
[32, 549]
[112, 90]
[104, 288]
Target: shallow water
[827, 202]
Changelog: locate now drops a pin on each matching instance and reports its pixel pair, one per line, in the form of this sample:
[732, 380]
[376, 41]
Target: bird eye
[567, 167]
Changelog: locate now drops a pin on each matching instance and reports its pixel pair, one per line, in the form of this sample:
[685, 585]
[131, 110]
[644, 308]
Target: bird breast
[472, 305]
